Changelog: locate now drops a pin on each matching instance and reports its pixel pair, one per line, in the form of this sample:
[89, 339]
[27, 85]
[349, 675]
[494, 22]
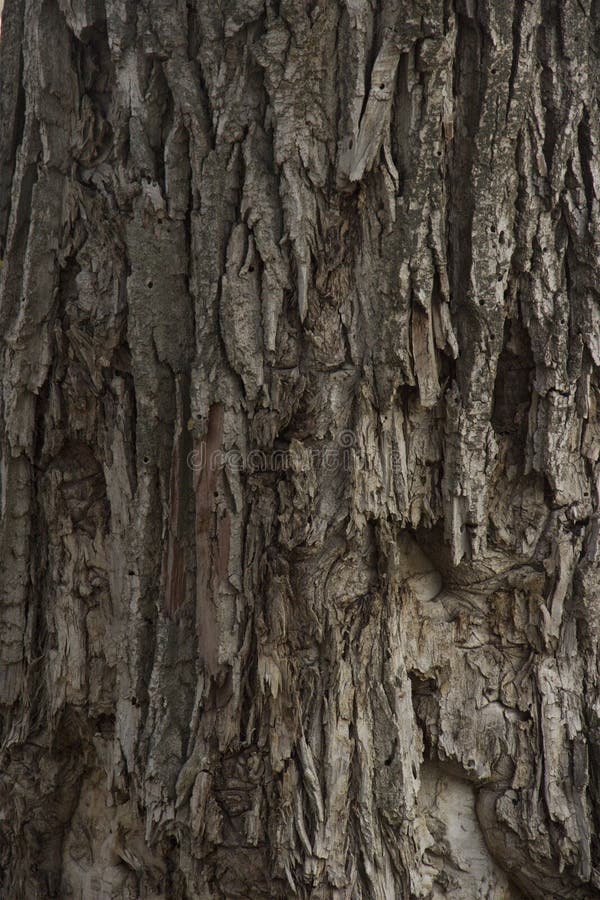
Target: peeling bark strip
[212, 540]
[362, 238]
[175, 561]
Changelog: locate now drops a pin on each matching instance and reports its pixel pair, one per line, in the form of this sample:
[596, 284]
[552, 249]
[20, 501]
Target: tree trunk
[299, 550]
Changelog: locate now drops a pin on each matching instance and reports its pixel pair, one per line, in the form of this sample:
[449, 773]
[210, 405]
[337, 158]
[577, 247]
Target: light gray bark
[299, 587]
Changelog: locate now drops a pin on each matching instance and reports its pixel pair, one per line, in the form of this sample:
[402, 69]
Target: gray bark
[299, 449]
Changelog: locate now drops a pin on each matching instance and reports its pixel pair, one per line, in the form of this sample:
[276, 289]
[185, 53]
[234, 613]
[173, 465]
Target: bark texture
[299, 553]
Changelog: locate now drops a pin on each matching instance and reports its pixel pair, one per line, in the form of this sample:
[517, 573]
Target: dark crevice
[516, 35]
[512, 388]
[584, 143]
[425, 704]
[18, 239]
[193, 31]
[400, 123]
[10, 161]
[547, 39]
[468, 91]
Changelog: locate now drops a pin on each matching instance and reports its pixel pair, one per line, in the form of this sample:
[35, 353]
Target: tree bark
[299, 449]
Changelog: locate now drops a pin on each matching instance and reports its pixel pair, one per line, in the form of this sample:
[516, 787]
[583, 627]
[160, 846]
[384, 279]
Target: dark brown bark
[299, 416]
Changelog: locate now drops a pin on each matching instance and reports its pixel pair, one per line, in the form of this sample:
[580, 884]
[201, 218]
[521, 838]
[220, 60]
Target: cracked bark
[299, 432]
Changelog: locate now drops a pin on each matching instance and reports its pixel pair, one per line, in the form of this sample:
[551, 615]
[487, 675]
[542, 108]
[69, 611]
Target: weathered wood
[299, 558]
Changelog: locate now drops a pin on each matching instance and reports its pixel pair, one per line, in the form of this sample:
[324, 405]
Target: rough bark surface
[299, 553]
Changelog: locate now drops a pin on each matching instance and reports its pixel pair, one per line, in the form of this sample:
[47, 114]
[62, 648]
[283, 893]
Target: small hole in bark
[131, 573]
[493, 229]
[438, 153]
[381, 87]
[493, 70]
[134, 701]
[251, 268]
[149, 284]
[351, 144]
[482, 302]
[388, 761]
[501, 237]
[146, 459]
[499, 278]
